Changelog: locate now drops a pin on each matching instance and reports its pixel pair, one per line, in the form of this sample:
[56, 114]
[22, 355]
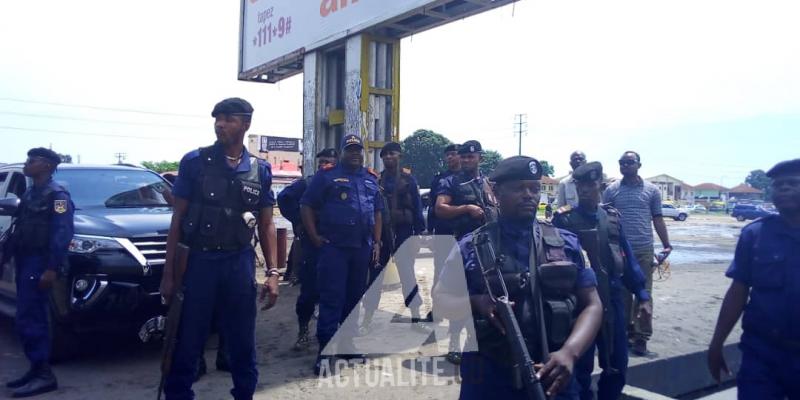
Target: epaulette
[327, 167]
[373, 173]
[564, 209]
[406, 171]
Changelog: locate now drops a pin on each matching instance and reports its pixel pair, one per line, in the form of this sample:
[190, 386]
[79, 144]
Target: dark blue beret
[517, 168]
[788, 167]
[350, 140]
[232, 106]
[391, 146]
[51, 156]
[470, 146]
[592, 171]
[451, 147]
[329, 152]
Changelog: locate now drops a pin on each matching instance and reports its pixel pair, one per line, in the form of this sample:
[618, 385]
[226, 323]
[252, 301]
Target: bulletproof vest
[400, 199]
[608, 229]
[552, 286]
[223, 205]
[32, 232]
[474, 192]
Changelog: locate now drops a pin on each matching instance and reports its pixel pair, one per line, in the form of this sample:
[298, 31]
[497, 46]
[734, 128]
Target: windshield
[114, 188]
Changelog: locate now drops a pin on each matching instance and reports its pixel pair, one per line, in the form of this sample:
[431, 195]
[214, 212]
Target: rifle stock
[174, 313]
[590, 241]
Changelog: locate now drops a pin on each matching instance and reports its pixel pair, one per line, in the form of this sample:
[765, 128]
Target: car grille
[153, 248]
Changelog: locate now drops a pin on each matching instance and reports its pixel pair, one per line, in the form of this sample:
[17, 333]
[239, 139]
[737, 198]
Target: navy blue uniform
[483, 377]
[345, 202]
[437, 225]
[289, 203]
[767, 261]
[611, 384]
[33, 260]
[218, 278]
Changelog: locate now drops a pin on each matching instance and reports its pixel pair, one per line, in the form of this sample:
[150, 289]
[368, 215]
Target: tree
[161, 166]
[758, 179]
[547, 169]
[65, 158]
[422, 152]
[489, 162]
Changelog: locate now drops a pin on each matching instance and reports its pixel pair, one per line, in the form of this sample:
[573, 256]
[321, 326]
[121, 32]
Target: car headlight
[85, 244]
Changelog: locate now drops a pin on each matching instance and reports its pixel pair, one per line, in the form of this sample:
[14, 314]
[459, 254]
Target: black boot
[43, 381]
[20, 382]
[302, 339]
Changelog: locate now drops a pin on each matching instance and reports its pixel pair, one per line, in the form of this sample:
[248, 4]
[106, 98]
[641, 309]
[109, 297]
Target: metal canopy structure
[427, 17]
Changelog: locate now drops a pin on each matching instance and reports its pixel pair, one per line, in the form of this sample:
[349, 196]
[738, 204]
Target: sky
[705, 91]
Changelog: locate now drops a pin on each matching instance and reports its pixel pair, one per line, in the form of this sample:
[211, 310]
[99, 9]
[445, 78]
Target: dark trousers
[611, 383]
[309, 295]
[768, 376]
[341, 280]
[224, 280]
[404, 258]
[32, 308]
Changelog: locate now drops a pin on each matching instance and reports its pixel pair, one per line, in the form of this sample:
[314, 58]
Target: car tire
[681, 217]
[740, 218]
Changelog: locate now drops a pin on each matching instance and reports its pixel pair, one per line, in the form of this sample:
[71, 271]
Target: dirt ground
[686, 305]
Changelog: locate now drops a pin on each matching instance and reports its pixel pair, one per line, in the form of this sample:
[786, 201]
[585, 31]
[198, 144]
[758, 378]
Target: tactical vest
[217, 218]
[608, 230]
[553, 283]
[400, 200]
[32, 232]
[472, 192]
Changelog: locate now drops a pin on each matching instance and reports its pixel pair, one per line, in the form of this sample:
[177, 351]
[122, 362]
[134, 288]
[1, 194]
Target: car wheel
[681, 217]
[740, 218]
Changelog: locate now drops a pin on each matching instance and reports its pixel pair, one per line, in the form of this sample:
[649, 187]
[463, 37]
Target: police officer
[436, 225]
[42, 233]
[402, 218]
[289, 203]
[465, 198]
[618, 266]
[345, 202]
[465, 201]
[219, 190]
[766, 287]
[567, 288]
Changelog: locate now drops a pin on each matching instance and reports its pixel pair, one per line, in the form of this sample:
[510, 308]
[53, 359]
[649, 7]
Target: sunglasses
[627, 163]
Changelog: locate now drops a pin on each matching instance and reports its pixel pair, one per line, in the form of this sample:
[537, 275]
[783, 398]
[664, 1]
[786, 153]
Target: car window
[16, 185]
[3, 176]
[115, 188]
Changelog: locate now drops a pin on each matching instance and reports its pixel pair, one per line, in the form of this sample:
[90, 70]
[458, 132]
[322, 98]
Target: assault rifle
[174, 313]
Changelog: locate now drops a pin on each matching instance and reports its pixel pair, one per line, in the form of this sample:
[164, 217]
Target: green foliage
[489, 161]
[422, 153]
[547, 169]
[161, 166]
[65, 158]
[759, 180]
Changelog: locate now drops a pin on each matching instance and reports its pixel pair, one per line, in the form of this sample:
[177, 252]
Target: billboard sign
[277, 143]
[274, 29]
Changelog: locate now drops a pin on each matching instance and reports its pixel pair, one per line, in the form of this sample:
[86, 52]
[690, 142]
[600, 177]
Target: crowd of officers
[349, 221]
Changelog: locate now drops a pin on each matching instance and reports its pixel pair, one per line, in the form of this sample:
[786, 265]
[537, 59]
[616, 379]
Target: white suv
[678, 214]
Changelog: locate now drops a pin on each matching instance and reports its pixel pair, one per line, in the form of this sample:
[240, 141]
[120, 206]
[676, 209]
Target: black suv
[116, 256]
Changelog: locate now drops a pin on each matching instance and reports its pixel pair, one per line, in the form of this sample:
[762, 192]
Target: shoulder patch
[60, 206]
[373, 173]
[565, 209]
[327, 167]
[407, 171]
[344, 180]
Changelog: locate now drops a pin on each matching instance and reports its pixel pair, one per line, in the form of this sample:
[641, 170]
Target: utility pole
[120, 157]
[520, 128]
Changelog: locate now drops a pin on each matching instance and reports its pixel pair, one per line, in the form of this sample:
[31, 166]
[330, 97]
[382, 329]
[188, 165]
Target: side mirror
[8, 207]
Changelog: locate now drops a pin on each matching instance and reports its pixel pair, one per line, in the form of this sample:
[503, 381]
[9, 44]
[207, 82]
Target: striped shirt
[638, 204]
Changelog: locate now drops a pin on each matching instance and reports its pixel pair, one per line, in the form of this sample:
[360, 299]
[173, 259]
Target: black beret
[451, 147]
[232, 106]
[51, 156]
[517, 168]
[592, 171]
[349, 140]
[391, 146]
[788, 167]
[470, 146]
[329, 152]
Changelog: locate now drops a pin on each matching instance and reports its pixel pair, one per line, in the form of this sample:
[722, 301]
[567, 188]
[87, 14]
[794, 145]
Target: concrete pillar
[311, 110]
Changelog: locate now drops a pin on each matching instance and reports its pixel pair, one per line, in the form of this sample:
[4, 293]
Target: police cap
[788, 167]
[517, 168]
[329, 152]
[451, 147]
[351, 140]
[391, 146]
[588, 172]
[470, 146]
[232, 106]
[49, 155]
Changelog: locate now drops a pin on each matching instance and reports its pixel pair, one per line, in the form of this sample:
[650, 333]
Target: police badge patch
[533, 168]
[60, 206]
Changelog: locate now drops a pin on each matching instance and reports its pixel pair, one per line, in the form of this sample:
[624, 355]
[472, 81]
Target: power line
[15, 128]
[521, 126]
[127, 110]
[49, 116]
